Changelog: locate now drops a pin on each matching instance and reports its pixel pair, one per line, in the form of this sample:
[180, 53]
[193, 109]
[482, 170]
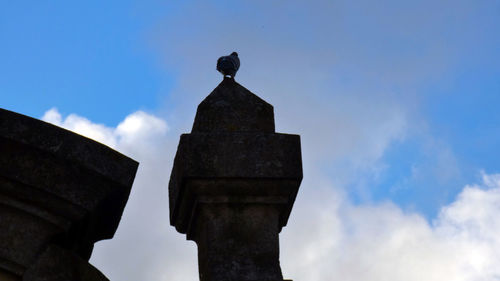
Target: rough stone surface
[232, 108]
[259, 157]
[233, 185]
[56, 188]
[57, 264]
[238, 242]
[7, 276]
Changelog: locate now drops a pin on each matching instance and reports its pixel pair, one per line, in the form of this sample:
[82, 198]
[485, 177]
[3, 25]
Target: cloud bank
[328, 237]
[333, 238]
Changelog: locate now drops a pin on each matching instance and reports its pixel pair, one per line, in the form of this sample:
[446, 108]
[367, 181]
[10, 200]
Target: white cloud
[328, 237]
[138, 127]
[381, 242]
[82, 126]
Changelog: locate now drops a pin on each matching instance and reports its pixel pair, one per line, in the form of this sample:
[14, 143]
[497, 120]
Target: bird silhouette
[228, 65]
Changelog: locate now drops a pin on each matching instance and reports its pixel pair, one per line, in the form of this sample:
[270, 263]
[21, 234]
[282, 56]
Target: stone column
[233, 185]
[59, 193]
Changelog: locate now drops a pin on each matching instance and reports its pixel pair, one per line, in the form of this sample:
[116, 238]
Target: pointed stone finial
[232, 108]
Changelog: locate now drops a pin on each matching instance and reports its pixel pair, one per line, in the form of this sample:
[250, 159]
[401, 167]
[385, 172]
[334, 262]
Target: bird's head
[234, 54]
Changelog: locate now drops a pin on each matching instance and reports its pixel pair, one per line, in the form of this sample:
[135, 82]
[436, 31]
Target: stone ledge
[260, 159]
[67, 145]
[233, 191]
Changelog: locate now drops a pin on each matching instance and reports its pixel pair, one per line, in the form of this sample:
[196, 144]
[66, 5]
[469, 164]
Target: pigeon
[228, 65]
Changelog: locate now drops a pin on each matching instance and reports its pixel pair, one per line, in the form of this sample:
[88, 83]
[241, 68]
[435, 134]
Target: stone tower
[59, 194]
[233, 185]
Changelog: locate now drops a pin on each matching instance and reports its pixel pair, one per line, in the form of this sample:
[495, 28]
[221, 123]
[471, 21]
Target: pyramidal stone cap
[233, 153]
[233, 108]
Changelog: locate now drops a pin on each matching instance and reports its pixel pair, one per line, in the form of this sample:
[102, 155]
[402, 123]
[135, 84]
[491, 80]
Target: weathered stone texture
[238, 242]
[57, 264]
[233, 185]
[233, 108]
[59, 193]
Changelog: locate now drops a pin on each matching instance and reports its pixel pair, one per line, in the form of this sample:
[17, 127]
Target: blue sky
[395, 101]
[80, 58]
[104, 61]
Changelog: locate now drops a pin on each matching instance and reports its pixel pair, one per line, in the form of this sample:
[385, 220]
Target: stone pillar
[233, 185]
[59, 193]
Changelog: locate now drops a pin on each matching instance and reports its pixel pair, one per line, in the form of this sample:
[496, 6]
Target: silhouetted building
[59, 194]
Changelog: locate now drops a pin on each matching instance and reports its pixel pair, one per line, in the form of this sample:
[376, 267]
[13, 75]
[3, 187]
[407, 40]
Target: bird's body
[228, 65]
